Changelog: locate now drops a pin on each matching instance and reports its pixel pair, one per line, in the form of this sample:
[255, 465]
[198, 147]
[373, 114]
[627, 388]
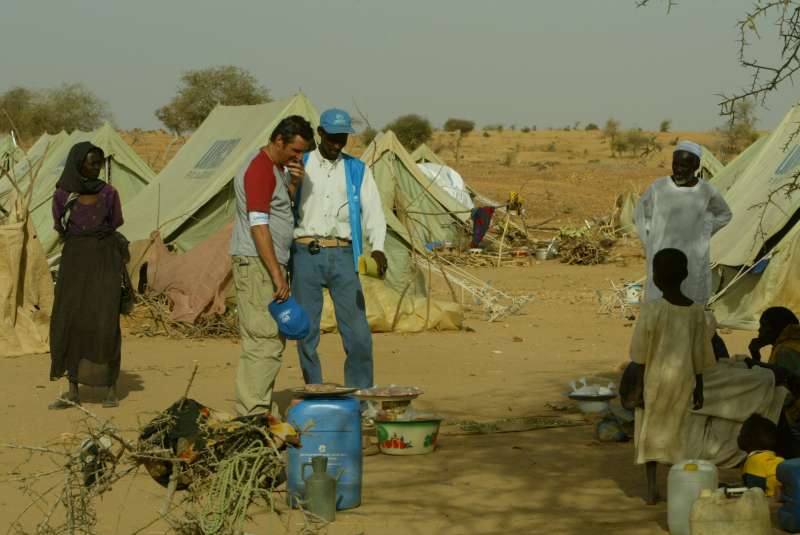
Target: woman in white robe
[682, 212]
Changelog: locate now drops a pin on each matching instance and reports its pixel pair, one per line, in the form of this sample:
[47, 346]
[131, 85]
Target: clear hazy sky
[523, 62]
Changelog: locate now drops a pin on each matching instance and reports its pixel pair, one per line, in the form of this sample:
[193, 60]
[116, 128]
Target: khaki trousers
[262, 345]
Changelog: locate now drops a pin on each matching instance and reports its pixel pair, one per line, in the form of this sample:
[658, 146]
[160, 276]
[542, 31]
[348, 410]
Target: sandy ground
[546, 481]
[558, 481]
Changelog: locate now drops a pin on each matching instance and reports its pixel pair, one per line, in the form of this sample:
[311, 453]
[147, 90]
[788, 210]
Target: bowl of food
[412, 437]
[389, 402]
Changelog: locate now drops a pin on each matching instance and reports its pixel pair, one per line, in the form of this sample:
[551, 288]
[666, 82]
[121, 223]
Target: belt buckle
[314, 247]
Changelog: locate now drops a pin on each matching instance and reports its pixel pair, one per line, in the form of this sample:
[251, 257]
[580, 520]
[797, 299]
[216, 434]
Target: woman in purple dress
[85, 338]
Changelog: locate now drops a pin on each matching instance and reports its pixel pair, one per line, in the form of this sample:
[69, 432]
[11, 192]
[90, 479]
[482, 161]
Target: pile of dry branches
[588, 245]
[488, 258]
[213, 467]
[152, 317]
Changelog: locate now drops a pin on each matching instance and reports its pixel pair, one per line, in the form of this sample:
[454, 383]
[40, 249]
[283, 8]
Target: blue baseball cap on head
[292, 320]
[336, 121]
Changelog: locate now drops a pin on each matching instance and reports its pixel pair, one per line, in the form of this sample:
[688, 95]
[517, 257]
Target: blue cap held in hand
[292, 320]
[336, 121]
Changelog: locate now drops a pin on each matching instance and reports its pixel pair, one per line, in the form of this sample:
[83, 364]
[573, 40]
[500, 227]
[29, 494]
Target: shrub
[525, 129]
[611, 132]
[740, 132]
[412, 130]
[494, 127]
[591, 126]
[665, 126]
[551, 147]
[638, 142]
[459, 125]
[199, 92]
[66, 107]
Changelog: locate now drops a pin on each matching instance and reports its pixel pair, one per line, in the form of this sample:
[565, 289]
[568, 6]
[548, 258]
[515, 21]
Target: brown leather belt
[324, 242]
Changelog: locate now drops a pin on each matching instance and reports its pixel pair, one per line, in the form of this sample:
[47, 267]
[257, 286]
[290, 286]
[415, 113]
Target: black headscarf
[71, 178]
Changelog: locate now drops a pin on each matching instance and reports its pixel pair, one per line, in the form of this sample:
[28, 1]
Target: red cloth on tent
[196, 281]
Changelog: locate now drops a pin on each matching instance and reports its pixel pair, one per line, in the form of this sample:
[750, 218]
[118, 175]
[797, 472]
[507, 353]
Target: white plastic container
[714, 513]
[684, 483]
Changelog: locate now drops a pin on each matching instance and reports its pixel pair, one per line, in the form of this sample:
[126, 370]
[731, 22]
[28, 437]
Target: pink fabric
[196, 281]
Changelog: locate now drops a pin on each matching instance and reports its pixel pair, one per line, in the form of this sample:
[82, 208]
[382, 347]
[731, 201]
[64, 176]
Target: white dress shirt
[324, 210]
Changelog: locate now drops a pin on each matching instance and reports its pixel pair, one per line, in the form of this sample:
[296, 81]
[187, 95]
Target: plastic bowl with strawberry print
[414, 437]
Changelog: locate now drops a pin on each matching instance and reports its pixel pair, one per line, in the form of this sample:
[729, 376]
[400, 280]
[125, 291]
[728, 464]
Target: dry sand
[546, 481]
[558, 481]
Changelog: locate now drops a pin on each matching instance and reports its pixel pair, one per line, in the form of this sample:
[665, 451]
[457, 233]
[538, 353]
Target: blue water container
[789, 514]
[333, 429]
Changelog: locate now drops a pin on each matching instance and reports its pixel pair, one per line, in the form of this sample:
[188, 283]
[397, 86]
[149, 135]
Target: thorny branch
[767, 74]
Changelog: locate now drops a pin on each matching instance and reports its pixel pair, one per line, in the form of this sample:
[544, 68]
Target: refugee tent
[450, 181]
[418, 210]
[45, 147]
[192, 197]
[10, 152]
[124, 169]
[446, 177]
[710, 166]
[26, 289]
[192, 201]
[424, 154]
[757, 256]
[624, 213]
[736, 168]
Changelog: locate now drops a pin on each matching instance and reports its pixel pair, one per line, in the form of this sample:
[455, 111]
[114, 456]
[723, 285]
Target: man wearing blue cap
[682, 212]
[260, 243]
[337, 204]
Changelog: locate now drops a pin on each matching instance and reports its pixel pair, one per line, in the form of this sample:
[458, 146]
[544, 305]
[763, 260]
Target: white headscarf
[691, 147]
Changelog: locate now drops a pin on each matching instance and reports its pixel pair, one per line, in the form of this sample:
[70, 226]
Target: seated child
[759, 437]
[673, 341]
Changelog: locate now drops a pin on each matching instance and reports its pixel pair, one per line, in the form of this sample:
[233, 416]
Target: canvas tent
[10, 152]
[445, 176]
[418, 211]
[710, 166]
[26, 289]
[757, 256]
[724, 179]
[192, 203]
[424, 154]
[192, 197]
[126, 171]
[44, 148]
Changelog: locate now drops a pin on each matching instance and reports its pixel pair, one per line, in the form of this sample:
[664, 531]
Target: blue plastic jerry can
[329, 427]
[788, 473]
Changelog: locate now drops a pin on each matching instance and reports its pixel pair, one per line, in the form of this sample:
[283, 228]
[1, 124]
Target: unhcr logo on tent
[789, 163]
[213, 158]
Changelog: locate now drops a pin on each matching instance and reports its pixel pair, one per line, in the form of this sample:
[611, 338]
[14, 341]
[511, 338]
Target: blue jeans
[332, 268]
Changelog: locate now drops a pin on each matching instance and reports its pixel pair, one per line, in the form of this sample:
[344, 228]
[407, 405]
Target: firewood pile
[586, 246]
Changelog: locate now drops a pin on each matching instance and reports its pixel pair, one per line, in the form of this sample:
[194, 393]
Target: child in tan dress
[672, 341]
